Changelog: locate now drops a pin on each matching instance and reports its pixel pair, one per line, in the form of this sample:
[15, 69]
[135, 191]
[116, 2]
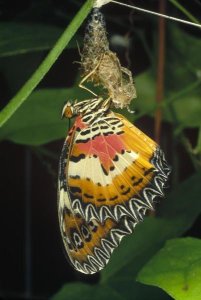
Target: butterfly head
[68, 110]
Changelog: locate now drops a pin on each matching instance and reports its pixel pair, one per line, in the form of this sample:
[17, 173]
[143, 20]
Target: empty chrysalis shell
[101, 65]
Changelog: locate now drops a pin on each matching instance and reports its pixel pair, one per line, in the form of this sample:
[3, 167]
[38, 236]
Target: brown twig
[160, 70]
[160, 75]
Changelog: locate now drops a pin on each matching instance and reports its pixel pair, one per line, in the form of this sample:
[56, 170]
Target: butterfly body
[109, 174]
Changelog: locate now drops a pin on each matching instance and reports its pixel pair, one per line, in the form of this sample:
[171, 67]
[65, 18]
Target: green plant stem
[45, 66]
[183, 139]
[188, 147]
[185, 11]
[185, 142]
[182, 92]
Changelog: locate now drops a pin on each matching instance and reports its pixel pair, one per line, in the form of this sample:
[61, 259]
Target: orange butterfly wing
[114, 170]
[88, 245]
[109, 174]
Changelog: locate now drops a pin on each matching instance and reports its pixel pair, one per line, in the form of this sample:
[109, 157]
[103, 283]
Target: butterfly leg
[83, 86]
[78, 47]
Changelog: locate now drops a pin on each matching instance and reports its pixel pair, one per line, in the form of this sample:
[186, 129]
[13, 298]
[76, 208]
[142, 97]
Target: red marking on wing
[105, 147]
[79, 123]
[70, 135]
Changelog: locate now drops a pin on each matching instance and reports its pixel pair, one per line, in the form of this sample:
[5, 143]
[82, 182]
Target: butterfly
[109, 174]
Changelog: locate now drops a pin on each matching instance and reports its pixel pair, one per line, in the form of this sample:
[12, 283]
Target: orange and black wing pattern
[109, 174]
[88, 244]
[113, 170]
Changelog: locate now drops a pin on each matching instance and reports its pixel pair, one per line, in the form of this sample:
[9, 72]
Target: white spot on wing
[90, 167]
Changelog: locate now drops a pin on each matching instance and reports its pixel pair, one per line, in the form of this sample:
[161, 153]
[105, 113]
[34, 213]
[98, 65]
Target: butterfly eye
[67, 111]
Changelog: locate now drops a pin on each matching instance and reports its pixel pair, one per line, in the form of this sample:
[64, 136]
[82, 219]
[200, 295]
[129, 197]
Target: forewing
[114, 170]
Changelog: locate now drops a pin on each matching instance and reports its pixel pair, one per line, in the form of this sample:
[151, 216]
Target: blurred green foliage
[25, 39]
[143, 252]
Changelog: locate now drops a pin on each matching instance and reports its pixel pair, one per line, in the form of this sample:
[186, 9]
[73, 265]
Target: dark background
[32, 262]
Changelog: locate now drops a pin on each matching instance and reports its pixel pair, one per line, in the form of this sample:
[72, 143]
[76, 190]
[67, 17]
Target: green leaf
[38, 120]
[77, 291]
[125, 290]
[182, 81]
[146, 86]
[128, 288]
[20, 38]
[60, 45]
[183, 65]
[187, 110]
[178, 212]
[176, 269]
[186, 102]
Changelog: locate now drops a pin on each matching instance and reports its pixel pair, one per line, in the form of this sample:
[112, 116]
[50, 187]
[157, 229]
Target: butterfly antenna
[78, 47]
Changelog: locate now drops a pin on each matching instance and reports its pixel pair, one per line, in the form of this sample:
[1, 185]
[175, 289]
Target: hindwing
[88, 244]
